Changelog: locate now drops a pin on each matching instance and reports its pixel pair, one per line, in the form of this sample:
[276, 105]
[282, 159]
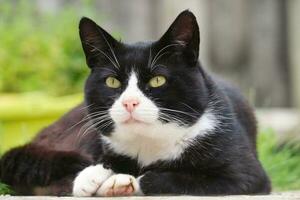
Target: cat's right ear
[97, 44]
[183, 34]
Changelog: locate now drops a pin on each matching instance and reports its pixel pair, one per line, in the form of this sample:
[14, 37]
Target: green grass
[4, 189]
[282, 162]
[19, 122]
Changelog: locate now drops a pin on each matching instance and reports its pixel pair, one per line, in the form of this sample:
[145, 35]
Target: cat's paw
[89, 180]
[119, 185]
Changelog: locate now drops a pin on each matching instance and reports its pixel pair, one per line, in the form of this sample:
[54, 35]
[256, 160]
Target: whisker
[159, 65]
[169, 118]
[101, 52]
[190, 107]
[85, 118]
[178, 111]
[110, 70]
[158, 57]
[105, 125]
[87, 106]
[89, 116]
[150, 56]
[152, 63]
[80, 135]
[111, 49]
[73, 126]
[99, 121]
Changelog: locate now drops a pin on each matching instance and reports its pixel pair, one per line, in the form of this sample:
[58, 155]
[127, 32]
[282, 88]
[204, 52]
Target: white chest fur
[150, 143]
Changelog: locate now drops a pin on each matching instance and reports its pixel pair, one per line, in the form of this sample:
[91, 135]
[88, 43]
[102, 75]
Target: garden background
[255, 44]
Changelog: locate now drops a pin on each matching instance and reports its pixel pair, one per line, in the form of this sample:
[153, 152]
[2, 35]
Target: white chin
[133, 121]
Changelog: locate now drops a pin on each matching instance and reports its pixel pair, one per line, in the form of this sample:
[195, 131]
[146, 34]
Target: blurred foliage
[41, 51]
[280, 161]
[4, 189]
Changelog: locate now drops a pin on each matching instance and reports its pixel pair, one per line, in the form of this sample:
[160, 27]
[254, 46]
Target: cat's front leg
[187, 183]
[89, 180]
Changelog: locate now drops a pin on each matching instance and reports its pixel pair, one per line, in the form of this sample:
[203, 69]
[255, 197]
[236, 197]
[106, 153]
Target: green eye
[157, 81]
[112, 82]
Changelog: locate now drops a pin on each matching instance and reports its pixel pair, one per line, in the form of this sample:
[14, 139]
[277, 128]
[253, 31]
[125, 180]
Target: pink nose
[130, 104]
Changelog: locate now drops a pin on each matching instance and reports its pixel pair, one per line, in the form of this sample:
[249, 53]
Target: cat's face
[144, 84]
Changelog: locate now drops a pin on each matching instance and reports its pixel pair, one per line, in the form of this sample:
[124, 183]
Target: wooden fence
[253, 43]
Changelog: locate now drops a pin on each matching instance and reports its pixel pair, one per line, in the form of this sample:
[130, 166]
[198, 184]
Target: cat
[153, 122]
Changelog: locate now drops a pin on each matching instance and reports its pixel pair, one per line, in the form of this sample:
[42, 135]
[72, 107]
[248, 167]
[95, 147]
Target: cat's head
[146, 83]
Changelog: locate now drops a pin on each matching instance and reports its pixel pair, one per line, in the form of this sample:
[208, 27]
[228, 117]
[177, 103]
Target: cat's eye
[157, 81]
[112, 82]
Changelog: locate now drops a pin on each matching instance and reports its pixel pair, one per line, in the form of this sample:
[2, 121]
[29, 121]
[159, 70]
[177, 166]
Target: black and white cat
[158, 124]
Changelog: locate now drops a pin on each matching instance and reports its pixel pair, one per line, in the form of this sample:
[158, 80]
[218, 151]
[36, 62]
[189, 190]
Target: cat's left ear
[184, 33]
[97, 44]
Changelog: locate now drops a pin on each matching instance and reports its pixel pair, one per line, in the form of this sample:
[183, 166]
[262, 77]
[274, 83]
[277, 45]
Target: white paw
[89, 180]
[119, 185]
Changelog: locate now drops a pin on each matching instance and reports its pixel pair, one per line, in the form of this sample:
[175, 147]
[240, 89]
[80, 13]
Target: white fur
[115, 185]
[151, 141]
[89, 180]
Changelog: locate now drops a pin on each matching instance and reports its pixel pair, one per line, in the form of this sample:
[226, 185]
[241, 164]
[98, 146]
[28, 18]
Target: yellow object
[22, 116]
[157, 81]
[112, 82]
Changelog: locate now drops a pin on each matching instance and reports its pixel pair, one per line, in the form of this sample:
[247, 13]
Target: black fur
[222, 162]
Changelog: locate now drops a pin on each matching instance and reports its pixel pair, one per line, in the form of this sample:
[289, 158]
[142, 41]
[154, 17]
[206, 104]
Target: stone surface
[284, 122]
[275, 196]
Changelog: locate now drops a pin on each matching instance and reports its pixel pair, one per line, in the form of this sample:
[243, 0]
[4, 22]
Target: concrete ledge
[275, 196]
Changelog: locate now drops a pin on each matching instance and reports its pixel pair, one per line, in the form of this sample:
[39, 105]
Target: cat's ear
[96, 42]
[184, 33]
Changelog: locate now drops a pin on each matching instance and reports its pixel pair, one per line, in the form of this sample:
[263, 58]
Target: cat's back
[72, 132]
[243, 112]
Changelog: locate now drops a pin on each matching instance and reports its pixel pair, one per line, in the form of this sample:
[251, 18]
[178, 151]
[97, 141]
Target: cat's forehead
[137, 54]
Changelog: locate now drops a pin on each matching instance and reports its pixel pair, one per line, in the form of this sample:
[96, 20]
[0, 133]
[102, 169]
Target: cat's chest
[149, 144]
